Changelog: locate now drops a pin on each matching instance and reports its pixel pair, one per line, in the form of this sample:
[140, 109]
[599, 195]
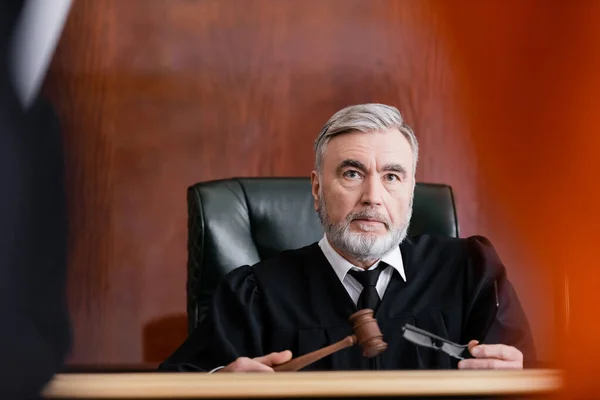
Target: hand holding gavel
[366, 334]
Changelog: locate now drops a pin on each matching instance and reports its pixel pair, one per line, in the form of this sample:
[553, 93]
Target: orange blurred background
[530, 75]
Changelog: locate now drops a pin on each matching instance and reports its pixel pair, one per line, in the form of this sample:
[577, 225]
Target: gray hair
[370, 117]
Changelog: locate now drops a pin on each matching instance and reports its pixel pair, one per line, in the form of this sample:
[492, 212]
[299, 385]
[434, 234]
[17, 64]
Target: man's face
[364, 192]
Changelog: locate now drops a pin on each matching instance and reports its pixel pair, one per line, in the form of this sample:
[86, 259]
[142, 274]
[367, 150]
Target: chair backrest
[240, 221]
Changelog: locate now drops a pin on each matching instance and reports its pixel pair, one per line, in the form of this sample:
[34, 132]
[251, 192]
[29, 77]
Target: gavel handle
[298, 363]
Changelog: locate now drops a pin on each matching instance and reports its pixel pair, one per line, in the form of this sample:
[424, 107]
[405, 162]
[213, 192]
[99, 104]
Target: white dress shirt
[341, 266]
[34, 40]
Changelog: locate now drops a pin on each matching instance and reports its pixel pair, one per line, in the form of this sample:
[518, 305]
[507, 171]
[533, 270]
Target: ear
[314, 181]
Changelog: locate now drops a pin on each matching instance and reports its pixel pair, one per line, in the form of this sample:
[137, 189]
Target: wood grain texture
[155, 95]
[355, 384]
[80, 93]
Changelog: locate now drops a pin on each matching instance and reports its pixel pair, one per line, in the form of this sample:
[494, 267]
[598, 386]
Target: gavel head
[367, 333]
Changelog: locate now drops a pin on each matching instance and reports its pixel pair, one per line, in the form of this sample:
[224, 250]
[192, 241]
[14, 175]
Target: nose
[372, 192]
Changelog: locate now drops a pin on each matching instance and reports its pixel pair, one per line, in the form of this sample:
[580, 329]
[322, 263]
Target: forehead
[388, 146]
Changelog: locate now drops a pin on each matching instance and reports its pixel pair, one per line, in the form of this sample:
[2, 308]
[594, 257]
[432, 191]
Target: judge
[299, 301]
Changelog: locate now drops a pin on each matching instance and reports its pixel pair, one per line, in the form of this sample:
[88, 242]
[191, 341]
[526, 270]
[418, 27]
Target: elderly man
[300, 301]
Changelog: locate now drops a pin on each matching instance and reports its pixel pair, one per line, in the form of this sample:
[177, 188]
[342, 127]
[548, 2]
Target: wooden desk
[304, 384]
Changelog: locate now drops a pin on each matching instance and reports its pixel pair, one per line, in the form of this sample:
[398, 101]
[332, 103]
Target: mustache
[370, 214]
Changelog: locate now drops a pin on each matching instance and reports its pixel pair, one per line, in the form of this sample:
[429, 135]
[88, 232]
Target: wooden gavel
[366, 334]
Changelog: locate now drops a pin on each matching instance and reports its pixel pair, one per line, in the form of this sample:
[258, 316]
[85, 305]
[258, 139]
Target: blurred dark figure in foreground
[34, 329]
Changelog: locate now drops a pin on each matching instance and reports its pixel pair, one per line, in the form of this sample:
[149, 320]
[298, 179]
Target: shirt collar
[341, 266]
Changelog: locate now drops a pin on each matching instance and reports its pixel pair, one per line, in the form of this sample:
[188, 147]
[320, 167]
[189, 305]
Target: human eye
[351, 174]
[392, 178]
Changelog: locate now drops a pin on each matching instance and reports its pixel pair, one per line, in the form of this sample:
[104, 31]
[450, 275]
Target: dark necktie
[369, 298]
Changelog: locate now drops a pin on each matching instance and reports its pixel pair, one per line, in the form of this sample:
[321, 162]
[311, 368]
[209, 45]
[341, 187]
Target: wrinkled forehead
[372, 149]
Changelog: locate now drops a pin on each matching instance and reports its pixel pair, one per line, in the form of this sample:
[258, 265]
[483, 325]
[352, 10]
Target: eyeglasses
[423, 338]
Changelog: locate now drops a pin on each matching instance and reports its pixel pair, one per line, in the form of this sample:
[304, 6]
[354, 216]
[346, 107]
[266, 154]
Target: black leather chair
[238, 221]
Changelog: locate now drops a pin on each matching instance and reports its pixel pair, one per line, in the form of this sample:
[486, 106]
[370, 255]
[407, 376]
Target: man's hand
[258, 364]
[492, 356]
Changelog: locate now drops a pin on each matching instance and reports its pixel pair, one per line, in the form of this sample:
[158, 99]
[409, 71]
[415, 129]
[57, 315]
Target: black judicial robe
[455, 288]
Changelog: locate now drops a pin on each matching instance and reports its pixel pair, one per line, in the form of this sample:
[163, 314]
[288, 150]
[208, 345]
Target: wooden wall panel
[155, 95]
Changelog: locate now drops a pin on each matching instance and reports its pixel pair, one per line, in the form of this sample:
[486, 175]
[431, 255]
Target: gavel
[366, 334]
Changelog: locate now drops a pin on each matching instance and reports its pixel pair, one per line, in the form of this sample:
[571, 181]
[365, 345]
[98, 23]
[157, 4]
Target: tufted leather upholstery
[239, 221]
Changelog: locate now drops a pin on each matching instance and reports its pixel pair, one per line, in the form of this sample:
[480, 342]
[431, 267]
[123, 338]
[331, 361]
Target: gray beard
[360, 246]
